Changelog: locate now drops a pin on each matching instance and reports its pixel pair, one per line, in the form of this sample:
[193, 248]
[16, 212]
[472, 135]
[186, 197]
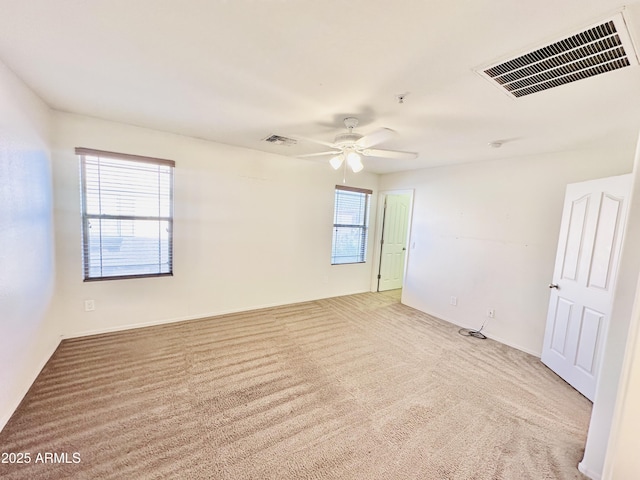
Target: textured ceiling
[238, 71]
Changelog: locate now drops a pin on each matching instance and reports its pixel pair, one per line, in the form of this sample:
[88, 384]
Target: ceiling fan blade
[396, 154]
[374, 138]
[334, 152]
[313, 140]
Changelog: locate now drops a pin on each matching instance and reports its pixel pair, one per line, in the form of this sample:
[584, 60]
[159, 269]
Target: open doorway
[392, 239]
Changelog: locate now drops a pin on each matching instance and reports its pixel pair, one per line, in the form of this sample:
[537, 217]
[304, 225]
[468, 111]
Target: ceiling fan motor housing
[350, 146]
[347, 139]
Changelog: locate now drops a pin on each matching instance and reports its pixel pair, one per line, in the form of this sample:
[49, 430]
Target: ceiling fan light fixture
[348, 148]
[336, 161]
[355, 162]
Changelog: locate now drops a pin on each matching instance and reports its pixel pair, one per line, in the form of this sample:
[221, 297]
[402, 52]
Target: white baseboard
[513, 345]
[198, 316]
[588, 472]
[5, 416]
[489, 335]
[4, 419]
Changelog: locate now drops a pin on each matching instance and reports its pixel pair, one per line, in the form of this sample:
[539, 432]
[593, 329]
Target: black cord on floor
[467, 332]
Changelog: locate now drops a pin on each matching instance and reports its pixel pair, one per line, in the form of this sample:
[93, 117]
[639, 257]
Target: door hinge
[379, 277]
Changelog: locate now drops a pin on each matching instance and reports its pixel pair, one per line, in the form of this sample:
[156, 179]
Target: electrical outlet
[454, 301]
[491, 313]
[89, 305]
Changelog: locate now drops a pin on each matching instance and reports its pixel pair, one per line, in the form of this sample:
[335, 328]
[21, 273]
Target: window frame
[82, 153]
[364, 226]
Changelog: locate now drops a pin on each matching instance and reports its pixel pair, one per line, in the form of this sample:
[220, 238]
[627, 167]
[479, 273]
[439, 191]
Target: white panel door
[394, 242]
[584, 277]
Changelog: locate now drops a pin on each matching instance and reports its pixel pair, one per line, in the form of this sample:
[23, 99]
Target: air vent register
[594, 51]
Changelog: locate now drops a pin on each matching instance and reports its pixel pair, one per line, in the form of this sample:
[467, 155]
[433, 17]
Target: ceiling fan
[352, 147]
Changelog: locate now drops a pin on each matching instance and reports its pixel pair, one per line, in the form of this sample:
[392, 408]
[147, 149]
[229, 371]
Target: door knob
[553, 285]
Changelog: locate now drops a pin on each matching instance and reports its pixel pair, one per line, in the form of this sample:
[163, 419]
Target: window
[350, 225]
[127, 215]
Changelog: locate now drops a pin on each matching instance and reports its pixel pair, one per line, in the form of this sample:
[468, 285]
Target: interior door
[394, 241]
[591, 231]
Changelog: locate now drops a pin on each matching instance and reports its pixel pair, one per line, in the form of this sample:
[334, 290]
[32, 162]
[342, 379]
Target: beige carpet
[356, 387]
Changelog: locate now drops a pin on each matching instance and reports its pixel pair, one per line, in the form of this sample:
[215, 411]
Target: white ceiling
[237, 71]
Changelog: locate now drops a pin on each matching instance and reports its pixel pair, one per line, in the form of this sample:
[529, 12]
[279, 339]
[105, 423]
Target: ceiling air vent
[599, 49]
[279, 140]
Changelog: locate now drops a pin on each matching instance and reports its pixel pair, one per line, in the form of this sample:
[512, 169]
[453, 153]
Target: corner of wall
[28, 334]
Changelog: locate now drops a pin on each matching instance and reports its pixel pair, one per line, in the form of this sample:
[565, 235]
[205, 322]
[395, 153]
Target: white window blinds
[127, 213]
[350, 225]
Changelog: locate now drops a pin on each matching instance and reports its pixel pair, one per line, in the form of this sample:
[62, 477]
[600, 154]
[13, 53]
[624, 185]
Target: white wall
[27, 336]
[487, 233]
[615, 388]
[622, 460]
[251, 230]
